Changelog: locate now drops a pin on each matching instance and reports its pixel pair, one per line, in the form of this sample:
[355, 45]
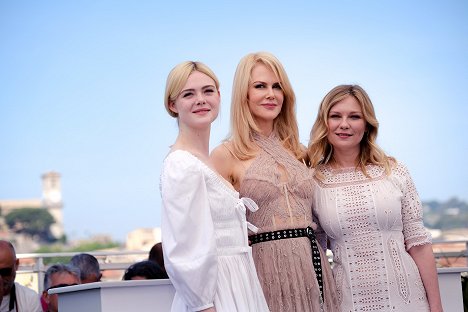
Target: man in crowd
[13, 296]
[58, 275]
[89, 267]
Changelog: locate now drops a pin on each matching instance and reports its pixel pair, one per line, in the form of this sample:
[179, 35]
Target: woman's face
[265, 96]
[197, 105]
[346, 125]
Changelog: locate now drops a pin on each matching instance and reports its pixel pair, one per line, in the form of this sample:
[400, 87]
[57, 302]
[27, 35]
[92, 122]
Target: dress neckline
[210, 170]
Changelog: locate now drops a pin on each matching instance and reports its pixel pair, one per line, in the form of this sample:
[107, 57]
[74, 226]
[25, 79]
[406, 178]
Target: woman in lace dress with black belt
[262, 160]
[368, 206]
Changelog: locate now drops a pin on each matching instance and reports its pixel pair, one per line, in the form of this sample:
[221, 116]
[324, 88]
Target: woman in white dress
[367, 204]
[204, 229]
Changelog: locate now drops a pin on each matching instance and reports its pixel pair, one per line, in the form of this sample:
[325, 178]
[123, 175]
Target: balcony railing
[451, 256]
[452, 253]
[33, 264]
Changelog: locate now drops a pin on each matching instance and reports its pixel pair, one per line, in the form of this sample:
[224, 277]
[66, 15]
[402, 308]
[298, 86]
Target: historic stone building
[51, 200]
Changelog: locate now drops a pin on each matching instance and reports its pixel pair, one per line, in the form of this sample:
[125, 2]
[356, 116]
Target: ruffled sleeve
[187, 231]
[414, 232]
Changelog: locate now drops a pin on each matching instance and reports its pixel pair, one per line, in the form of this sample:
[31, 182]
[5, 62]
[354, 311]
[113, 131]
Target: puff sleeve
[414, 232]
[187, 231]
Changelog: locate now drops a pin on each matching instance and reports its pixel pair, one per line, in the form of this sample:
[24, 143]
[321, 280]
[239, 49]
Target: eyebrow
[351, 112]
[203, 88]
[261, 81]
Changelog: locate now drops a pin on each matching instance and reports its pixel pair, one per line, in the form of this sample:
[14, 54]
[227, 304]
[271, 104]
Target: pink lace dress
[282, 187]
[371, 224]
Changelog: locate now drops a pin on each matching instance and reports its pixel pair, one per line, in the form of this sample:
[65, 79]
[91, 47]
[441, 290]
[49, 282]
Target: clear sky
[82, 83]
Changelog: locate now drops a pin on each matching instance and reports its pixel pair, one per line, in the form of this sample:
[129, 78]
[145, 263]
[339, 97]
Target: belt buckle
[309, 232]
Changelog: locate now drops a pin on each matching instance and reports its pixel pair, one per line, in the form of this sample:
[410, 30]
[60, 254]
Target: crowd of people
[83, 268]
[246, 226]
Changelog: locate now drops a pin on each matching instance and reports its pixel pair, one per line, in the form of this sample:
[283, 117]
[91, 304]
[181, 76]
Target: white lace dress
[204, 239]
[371, 224]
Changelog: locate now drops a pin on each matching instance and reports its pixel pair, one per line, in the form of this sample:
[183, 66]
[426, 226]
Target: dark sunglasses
[4, 272]
[61, 285]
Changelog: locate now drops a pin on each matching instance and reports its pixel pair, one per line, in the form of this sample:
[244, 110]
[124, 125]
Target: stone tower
[52, 201]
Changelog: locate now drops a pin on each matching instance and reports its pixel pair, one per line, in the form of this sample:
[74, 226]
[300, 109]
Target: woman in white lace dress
[368, 206]
[204, 228]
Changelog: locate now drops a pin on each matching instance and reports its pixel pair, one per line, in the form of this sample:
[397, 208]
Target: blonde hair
[320, 151]
[242, 122]
[177, 78]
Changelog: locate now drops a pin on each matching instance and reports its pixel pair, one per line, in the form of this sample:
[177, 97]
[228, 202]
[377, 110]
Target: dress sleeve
[320, 234]
[414, 232]
[187, 232]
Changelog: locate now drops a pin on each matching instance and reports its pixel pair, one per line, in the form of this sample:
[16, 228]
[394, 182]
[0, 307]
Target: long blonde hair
[320, 151]
[178, 77]
[242, 122]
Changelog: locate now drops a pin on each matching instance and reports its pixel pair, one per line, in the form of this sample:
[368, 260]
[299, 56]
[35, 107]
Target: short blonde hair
[242, 122]
[178, 77]
[320, 151]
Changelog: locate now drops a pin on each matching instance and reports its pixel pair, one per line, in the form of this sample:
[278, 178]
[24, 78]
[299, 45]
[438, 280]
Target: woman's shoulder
[399, 168]
[181, 161]
[224, 146]
[223, 152]
[178, 155]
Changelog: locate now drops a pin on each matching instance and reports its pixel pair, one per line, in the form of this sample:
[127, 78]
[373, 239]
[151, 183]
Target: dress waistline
[295, 233]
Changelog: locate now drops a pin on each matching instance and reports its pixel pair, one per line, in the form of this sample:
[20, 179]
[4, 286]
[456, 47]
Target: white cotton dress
[205, 239]
[371, 223]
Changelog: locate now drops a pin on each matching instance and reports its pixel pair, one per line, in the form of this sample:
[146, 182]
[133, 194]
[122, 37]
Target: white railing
[33, 265]
[448, 258]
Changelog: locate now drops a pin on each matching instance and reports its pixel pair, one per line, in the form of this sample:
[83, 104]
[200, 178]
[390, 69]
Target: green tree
[85, 246]
[34, 222]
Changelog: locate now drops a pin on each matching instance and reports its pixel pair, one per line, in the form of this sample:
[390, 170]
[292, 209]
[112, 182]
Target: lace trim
[348, 176]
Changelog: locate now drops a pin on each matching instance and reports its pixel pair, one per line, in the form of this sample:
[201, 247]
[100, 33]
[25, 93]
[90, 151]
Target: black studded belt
[294, 233]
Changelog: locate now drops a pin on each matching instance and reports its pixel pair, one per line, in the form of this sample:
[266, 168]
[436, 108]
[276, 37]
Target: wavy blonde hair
[178, 77]
[320, 151]
[243, 123]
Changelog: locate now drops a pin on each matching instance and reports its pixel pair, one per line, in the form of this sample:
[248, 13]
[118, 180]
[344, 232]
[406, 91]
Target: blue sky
[82, 83]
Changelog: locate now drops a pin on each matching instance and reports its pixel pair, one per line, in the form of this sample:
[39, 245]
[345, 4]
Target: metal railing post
[466, 252]
[40, 274]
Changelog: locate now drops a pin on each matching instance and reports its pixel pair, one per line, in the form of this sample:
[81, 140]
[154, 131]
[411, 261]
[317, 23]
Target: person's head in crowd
[14, 296]
[56, 276]
[8, 266]
[144, 270]
[156, 255]
[89, 267]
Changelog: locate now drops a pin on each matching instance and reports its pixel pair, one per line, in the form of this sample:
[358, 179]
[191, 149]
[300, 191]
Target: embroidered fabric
[294, 233]
[371, 223]
[282, 187]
